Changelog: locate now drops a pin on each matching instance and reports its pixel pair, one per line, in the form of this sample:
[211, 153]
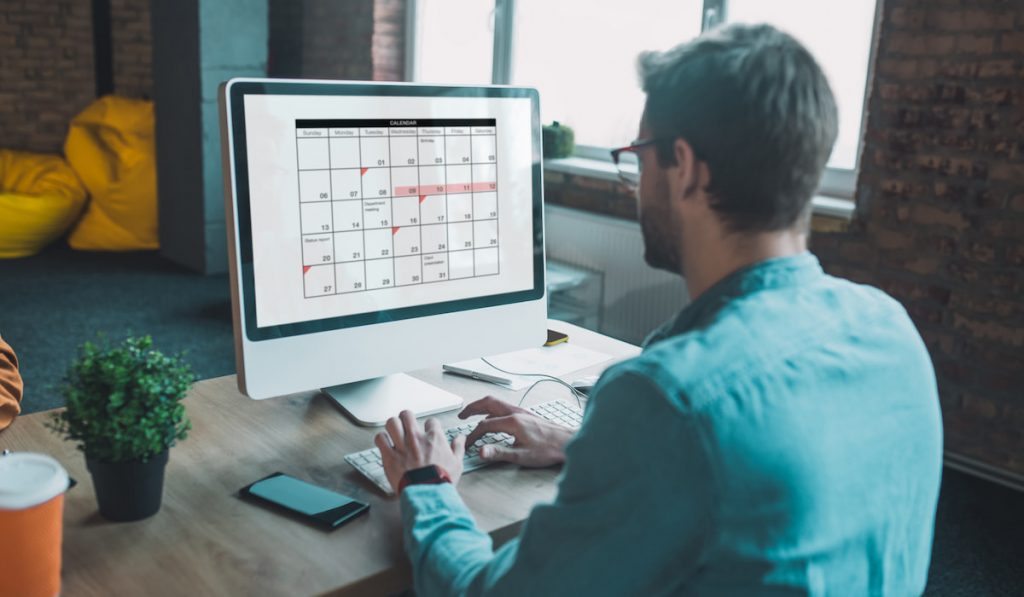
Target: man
[10, 385]
[780, 436]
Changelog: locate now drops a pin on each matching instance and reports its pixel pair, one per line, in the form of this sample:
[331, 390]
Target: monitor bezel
[236, 92]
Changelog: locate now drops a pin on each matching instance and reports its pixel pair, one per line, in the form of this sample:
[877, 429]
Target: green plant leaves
[123, 401]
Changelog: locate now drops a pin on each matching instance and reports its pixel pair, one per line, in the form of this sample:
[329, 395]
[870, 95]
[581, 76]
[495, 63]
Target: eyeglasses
[629, 171]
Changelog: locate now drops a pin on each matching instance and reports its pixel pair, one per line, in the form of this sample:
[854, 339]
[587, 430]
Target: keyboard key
[368, 462]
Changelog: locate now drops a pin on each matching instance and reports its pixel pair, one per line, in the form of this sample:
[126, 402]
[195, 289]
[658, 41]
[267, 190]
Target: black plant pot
[128, 490]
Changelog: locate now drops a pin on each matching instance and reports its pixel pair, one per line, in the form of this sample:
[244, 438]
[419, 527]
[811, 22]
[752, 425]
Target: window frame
[591, 160]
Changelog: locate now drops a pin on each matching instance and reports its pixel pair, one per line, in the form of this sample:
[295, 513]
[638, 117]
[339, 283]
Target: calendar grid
[419, 204]
[386, 184]
[391, 218]
[334, 248]
[497, 210]
[362, 193]
[305, 292]
[474, 213]
[419, 161]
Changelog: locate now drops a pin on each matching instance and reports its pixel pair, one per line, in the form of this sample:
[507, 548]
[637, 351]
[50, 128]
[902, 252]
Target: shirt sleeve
[634, 505]
[10, 385]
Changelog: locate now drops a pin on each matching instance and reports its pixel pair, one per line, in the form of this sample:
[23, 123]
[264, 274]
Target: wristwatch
[427, 475]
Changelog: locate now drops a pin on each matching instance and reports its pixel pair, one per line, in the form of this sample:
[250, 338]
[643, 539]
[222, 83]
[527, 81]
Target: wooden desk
[206, 541]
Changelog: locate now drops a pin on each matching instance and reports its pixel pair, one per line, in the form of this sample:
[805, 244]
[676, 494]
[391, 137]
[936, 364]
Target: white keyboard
[368, 462]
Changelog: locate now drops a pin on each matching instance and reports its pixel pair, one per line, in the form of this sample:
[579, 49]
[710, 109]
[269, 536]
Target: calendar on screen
[396, 202]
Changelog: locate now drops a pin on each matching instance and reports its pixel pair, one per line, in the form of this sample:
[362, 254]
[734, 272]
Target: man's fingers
[478, 407]
[435, 431]
[493, 425]
[488, 405]
[501, 453]
[459, 446]
[432, 425]
[384, 445]
[394, 429]
[411, 430]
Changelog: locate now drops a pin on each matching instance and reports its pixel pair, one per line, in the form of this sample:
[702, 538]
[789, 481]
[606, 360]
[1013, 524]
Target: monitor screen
[363, 203]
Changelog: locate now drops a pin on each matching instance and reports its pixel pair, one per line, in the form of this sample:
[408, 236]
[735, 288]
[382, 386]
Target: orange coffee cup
[32, 490]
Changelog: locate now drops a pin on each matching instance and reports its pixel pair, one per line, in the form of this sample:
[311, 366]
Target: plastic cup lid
[28, 479]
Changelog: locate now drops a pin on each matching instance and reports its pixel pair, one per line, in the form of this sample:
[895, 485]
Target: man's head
[745, 122]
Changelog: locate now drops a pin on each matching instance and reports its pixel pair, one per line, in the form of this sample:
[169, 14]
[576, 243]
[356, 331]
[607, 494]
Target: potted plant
[558, 140]
[123, 407]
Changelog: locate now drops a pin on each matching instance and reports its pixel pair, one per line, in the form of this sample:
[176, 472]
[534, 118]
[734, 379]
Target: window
[539, 44]
[454, 41]
[838, 34]
[550, 37]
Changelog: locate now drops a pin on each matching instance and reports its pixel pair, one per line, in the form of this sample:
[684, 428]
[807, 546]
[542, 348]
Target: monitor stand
[372, 402]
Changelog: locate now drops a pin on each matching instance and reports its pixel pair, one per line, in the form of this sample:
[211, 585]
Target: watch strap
[427, 475]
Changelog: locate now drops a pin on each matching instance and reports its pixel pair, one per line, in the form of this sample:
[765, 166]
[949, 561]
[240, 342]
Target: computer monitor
[377, 228]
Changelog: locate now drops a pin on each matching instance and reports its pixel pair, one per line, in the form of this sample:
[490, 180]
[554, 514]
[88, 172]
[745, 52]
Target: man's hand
[403, 447]
[539, 443]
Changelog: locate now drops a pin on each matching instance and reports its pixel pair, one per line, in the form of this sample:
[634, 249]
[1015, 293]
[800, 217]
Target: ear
[690, 174]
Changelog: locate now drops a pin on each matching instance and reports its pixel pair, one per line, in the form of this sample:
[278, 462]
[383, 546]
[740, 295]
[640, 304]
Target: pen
[478, 376]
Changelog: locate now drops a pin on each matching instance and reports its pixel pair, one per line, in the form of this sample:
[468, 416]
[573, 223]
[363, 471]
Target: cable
[576, 393]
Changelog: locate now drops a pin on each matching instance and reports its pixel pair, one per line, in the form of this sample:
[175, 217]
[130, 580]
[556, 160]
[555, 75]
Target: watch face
[423, 475]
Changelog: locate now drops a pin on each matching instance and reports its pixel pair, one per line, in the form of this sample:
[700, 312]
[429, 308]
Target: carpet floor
[54, 301]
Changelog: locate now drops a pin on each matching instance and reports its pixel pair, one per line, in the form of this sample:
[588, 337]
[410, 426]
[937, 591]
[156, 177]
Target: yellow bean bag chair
[111, 147]
[40, 197]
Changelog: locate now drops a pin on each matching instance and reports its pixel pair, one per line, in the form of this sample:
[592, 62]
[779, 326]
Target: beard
[656, 224]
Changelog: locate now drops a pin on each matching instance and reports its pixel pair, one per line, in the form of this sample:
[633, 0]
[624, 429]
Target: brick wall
[46, 55]
[941, 189]
[132, 48]
[338, 39]
[358, 40]
[46, 65]
[46, 71]
[389, 40]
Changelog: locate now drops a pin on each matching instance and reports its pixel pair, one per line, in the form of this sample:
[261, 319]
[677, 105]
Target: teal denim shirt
[781, 436]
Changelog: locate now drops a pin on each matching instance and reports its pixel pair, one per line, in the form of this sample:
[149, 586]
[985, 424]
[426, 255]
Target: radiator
[637, 298]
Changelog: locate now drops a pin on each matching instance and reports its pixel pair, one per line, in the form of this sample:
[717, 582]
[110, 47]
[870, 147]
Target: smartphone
[556, 338]
[324, 508]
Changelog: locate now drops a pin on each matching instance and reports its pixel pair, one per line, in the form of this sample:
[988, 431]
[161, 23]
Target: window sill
[829, 205]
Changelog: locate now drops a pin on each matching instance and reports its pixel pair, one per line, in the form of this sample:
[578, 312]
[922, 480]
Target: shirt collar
[779, 272]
